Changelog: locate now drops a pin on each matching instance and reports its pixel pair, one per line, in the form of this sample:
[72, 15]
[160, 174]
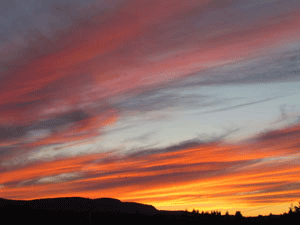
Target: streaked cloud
[101, 97]
[184, 173]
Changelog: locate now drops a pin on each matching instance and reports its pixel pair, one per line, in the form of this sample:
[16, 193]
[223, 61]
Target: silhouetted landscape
[190, 104]
[96, 211]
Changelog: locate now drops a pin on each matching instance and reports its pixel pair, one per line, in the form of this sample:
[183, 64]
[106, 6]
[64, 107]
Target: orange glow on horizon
[62, 85]
[211, 175]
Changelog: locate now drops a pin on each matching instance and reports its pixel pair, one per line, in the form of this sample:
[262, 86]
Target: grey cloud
[181, 31]
[4, 151]
[63, 177]
[276, 135]
[7, 5]
[182, 145]
[141, 138]
[271, 198]
[163, 174]
[57, 178]
[190, 143]
[167, 97]
[283, 66]
[241, 105]
[9, 132]
[278, 67]
[291, 186]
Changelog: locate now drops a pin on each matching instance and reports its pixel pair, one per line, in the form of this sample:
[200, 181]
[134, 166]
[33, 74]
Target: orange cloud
[83, 129]
[206, 176]
[128, 49]
[60, 86]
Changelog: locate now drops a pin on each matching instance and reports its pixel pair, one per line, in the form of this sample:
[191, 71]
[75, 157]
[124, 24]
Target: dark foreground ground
[113, 211]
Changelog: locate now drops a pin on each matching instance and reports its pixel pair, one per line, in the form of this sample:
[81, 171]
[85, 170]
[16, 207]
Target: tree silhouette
[86, 211]
[297, 208]
[294, 209]
[238, 214]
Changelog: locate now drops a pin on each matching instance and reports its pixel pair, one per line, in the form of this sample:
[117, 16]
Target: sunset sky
[179, 104]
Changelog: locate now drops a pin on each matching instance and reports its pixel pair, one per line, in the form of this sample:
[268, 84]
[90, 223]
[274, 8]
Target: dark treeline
[99, 211]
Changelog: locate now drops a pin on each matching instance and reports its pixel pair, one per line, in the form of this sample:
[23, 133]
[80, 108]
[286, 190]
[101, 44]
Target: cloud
[76, 126]
[292, 132]
[260, 172]
[63, 177]
[243, 105]
[50, 71]
[279, 66]
[70, 69]
[163, 98]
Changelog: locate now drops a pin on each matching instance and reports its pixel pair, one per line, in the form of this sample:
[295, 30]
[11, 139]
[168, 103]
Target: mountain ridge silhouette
[71, 210]
[79, 204]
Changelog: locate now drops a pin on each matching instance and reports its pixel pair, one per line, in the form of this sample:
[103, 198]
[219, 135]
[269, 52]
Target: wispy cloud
[70, 69]
[259, 171]
[243, 104]
[79, 66]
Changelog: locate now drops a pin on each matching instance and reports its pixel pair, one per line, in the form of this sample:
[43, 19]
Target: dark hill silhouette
[76, 210]
[77, 204]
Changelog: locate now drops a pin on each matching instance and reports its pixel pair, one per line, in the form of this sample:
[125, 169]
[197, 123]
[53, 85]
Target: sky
[178, 104]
